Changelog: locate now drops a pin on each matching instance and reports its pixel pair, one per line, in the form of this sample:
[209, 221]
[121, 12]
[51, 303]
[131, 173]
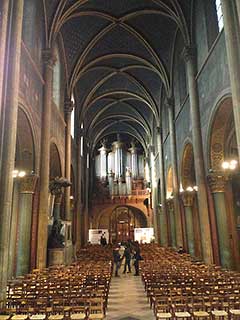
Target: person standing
[116, 260]
[127, 255]
[137, 257]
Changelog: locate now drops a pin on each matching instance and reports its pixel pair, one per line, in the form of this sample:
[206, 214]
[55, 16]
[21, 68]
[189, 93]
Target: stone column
[57, 206]
[189, 55]
[86, 211]
[179, 232]
[156, 221]
[170, 207]
[79, 213]
[232, 38]
[163, 211]
[48, 60]
[4, 8]
[217, 184]
[68, 108]
[134, 160]
[9, 147]
[188, 198]
[27, 188]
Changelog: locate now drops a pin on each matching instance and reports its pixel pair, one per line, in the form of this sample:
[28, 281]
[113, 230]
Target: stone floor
[127, 299]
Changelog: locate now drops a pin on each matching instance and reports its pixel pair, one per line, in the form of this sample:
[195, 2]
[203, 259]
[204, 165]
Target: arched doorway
[121, 223]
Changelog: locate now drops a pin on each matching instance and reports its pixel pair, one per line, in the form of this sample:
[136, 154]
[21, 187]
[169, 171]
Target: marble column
[217, 184]
[232, 38]
[86, 210]
[134, 160]
[57, 205]
[79, 213]
[189, 55]
[4, 8]
[188, 198]
[48, 60]
[27, 188]
[177, 209]
[170, 208]
[68, 108]
[9, 147]
[163, 211]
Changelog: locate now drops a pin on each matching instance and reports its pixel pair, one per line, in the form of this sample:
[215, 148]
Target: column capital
[169, 102]
[58, 198]
[28, 183]
[189, 53]
[57, 184]
[170, 204]
[217, 182]
[187, 198]
[68, 106]
[159, 130]
[48, 57]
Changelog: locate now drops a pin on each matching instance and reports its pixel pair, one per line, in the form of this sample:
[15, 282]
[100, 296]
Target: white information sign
[94, 235]
[144, 235]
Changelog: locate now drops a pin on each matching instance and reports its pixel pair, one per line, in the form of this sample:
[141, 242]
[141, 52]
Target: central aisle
[127, 299]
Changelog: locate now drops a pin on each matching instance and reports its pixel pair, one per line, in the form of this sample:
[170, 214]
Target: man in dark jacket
[117, 260]
[127, 255]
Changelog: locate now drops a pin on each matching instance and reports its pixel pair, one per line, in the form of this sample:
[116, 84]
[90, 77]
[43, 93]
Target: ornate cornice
[28, 184]
[217, 182]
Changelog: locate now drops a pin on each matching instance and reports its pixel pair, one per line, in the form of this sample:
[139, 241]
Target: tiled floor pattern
[127, 299]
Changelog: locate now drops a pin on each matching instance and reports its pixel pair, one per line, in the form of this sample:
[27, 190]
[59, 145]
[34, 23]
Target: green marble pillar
[217, 184]
[170, 206]
[188, 198]
[27, 186]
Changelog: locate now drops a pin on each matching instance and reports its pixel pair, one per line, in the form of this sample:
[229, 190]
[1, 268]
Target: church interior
[119, 119]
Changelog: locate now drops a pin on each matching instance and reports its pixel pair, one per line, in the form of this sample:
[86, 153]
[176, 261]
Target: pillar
[9, 147]
[153, 195]
[68, 108]
[86, 210]
[232, 38]
[188, 198]
[189, 55]
[177, 209]
[48, 60]
[79, 213]
[27, 188]
[170, 207]
[217, 184]
[4, 8]
[57, 206]
[163, 211]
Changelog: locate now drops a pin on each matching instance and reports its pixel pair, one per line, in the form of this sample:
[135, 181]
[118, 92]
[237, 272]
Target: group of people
[129, 251]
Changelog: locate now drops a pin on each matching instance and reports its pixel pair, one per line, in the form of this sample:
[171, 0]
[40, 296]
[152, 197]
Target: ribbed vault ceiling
[118, 55]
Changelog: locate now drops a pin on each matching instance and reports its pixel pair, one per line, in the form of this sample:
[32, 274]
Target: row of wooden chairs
[179, 288]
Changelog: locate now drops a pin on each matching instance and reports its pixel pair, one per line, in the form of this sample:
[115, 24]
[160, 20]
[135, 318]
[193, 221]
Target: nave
[176, 287]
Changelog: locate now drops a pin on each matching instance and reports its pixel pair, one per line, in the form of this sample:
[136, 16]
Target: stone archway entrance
[121, 222]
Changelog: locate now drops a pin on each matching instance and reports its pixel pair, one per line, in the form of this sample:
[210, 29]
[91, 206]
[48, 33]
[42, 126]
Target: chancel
[119, 118]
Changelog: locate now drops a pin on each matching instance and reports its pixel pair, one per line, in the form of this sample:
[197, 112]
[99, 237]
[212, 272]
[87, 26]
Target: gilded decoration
[217, 182]
[188, 198]
[28, 184]
[217, 150]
